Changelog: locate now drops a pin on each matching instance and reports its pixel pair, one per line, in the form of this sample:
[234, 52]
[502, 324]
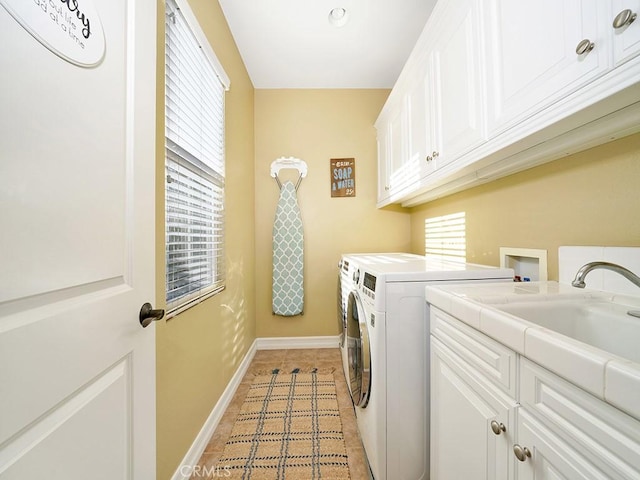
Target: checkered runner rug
[288, 427]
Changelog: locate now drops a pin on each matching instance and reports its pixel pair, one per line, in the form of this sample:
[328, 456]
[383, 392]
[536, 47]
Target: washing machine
[349, 266]
[388, 355]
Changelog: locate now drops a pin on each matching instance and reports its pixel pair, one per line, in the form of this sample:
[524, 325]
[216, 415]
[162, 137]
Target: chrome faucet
[579, 280]
[628, 274]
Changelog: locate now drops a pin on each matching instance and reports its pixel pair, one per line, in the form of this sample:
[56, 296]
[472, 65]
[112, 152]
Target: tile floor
[287, 360]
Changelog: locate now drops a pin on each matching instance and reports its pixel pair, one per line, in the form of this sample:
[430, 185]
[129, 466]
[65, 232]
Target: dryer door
[359, 351]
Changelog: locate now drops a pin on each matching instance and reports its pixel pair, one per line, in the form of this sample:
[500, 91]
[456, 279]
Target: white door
[77, 375]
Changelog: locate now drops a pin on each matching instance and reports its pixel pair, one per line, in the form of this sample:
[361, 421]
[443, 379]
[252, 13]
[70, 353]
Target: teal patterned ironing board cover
[288, 255]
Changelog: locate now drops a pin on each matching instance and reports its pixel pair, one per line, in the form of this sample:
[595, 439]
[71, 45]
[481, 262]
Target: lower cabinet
[554, 458]
[483, 427]
[570, 433]
[471, 421]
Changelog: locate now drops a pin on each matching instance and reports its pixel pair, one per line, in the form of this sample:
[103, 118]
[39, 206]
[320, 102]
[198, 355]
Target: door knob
[148, 314]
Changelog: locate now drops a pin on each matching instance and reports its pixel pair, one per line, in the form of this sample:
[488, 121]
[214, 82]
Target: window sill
[178, 309]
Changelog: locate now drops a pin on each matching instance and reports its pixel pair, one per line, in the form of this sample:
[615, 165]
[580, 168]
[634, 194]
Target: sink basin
[600, 323]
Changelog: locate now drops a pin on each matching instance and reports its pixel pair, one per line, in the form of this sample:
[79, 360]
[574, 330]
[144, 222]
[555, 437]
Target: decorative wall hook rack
[289, 162]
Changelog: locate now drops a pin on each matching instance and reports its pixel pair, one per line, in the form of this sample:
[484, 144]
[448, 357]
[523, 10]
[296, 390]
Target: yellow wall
[317, 125]
[199, 350]
[590, 198]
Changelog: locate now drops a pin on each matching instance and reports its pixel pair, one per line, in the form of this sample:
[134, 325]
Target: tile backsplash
[571, 258]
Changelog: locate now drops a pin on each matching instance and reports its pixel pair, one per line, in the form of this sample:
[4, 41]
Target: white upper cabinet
[383, 163]
[420, 127]
[626, 39]
[494, 87]
[534, 51]
[404, 130]
[437, 112]
[397, 149]
[458, 110]
[392, 153]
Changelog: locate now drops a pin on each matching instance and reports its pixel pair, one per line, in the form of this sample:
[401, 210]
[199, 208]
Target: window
[195, 85]
[444, 237]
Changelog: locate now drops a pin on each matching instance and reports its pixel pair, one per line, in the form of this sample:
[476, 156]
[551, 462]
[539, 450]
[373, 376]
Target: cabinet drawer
[494, 360]
[605, 435]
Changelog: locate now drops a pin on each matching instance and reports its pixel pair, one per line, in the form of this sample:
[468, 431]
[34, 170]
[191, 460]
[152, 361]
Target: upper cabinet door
[420, 127]
[399, 173]
[626, 40]
[396, 139]
[458, 82]
[534, 54]
[383, 162]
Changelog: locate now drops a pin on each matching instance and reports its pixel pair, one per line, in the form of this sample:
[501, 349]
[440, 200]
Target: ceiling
[291, 44]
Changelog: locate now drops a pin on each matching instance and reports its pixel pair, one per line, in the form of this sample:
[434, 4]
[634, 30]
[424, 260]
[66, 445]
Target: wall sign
[343, 177]
[69, 28]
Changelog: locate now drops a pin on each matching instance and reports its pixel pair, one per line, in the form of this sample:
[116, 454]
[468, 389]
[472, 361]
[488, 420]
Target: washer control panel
[369, 286]
[370, 282]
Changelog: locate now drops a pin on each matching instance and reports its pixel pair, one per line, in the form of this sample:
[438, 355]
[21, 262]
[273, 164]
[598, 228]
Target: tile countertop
[611, 378]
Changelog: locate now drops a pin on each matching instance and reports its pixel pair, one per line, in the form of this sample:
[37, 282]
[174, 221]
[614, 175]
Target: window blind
[194, 162]
[445, 237]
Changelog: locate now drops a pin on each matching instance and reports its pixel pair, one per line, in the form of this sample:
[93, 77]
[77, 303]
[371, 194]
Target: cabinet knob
[498, 428]
[585, 46]
[386, 188]
[522, 453]
[625, 17]
[435, 154]
[429, 158]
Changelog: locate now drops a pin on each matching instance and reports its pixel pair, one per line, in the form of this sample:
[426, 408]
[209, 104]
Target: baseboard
[285, 343]
[191, 459]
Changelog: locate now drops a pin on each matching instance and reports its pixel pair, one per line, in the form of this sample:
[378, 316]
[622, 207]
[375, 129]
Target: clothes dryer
[345, 286]
[388, 355]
